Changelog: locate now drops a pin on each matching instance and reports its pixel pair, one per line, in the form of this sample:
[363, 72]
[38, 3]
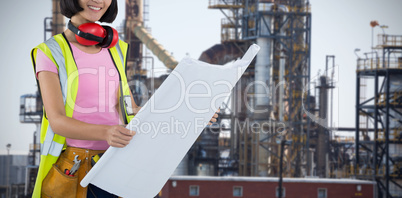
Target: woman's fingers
[216, 113]
[126, 132]
[120, 136]
[214, 117]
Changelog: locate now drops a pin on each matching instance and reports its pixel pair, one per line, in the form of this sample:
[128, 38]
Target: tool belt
[59, 182]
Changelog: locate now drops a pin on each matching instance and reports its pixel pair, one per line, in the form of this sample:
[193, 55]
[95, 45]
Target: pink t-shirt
[98, 86]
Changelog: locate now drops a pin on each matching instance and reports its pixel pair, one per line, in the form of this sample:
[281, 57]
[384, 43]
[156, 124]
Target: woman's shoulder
[50, 42]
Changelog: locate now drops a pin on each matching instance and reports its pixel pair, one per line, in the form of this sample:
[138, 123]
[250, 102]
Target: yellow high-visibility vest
[59, 52]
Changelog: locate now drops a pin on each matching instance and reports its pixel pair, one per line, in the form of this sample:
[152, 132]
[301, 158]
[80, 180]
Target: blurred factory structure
[378, 150]
[278, 120]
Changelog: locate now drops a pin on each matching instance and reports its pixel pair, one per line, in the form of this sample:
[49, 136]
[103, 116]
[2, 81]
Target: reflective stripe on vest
[49, 146]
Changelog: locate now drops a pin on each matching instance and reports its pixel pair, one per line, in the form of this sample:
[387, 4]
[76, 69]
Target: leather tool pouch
[57, 183]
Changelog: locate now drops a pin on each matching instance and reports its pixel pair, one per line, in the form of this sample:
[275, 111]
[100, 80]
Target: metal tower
[378, 152]
[282, 29]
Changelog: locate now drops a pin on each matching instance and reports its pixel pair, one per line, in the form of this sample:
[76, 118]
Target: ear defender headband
[95, 34]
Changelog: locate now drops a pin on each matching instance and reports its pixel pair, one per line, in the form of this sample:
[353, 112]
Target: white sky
[183, 26]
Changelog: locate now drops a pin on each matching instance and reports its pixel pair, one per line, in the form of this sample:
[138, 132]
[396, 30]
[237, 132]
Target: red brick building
[258, 187]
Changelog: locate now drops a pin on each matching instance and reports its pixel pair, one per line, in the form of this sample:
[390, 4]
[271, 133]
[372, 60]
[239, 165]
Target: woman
[84, 91]
[87, 117]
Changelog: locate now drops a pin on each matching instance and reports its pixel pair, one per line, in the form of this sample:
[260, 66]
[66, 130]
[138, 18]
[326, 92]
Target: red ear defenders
[95, 34]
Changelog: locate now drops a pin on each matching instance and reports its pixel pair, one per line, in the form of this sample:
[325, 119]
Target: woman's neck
[76, 20]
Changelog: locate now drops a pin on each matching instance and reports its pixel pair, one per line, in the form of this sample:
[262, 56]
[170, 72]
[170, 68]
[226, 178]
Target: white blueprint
[167, 126]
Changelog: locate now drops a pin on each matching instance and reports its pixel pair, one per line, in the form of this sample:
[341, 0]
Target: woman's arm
[117, 136]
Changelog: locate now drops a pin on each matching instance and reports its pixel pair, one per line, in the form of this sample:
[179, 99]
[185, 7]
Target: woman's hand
[213, 119]
[136, 109]
[119, 136]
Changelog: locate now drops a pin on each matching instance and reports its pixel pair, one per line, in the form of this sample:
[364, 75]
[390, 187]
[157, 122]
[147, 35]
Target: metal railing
[379, 63]
[225, 4]
[229, 31]
[390, 40]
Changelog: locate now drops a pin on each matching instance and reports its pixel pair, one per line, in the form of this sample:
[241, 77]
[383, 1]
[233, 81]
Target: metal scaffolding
[286, 25]
[232, 47]
[378, 153]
